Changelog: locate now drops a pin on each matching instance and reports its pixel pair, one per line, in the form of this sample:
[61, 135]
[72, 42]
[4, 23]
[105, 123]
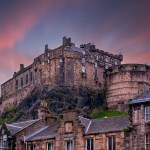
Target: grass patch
[102, 113]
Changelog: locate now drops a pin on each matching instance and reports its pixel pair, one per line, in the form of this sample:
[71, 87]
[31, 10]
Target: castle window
[96, 65]
[16, 84]
[83, 69]
[89, 144]
[22, 81]
[60, 60]
[83, 60]
[69, 145]
[48, 61]
[31, 76]
[147, 142]
[50, 146]
[32, 147]
[26, 78]
[111, 143]
[147, 113]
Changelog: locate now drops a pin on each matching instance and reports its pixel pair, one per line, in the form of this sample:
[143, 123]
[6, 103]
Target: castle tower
[125, 82]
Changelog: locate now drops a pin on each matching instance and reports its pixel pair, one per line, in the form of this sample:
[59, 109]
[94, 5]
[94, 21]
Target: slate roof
[108, 124]
[91, 127]
[143, 98]
[43, 133]
[16, 127]
[85, 122]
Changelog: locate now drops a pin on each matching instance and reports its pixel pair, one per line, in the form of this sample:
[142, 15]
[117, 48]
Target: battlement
[128, 68]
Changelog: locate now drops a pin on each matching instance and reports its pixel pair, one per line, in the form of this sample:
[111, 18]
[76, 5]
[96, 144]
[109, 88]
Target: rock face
[58, 99]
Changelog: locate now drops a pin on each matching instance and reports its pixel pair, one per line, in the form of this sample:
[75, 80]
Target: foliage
[10, 108]
[102, 112]
[127, 130]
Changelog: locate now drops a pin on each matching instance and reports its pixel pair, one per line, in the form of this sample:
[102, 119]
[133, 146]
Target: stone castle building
[84, 66]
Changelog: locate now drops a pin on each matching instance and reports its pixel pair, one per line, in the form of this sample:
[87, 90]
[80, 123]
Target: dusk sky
[112, 25]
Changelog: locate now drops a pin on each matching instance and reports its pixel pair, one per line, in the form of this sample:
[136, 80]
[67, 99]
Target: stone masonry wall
[125, 82]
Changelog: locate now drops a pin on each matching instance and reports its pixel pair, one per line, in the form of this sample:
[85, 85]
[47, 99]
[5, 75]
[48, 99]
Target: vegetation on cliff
[59, 99]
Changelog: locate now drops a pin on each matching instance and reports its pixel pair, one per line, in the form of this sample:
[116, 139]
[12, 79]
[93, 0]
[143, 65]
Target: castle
[84, 66]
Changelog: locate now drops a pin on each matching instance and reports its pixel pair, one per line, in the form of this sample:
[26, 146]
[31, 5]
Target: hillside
[59, 99]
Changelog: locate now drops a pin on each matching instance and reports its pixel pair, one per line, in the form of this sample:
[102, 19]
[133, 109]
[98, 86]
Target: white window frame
[112, 138]
[70, 145]
[148, 135]
[52, 146]
[90, 143]
[147, 113]
[34, 146]
[83, 69]
[3, 140]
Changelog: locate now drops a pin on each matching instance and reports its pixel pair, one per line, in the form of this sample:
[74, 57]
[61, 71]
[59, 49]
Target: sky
[112, 25]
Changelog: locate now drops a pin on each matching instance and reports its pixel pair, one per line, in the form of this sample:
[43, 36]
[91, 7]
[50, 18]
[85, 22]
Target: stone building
[73, 132]
[66, 65]
[140, 122]
[125, 82]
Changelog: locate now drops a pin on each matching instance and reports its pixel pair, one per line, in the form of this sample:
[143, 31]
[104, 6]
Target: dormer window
[147, 113]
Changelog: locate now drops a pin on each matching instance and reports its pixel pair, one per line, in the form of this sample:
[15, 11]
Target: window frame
[113, 142]
[91, 139]
[147, 113]
[47, 147]
[147, 135]
[34, 146]
[66, 148]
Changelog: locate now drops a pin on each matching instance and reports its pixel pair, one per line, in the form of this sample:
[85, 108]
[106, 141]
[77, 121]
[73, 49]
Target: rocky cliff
[59, 99]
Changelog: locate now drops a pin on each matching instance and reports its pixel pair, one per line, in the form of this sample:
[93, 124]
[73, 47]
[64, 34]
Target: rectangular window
[16, 84]
[147, 142]
[69, 145]
[89, 144]
[26, 78]
[31, 76]
[147, 113]
[83, 69]
[3, 142]
[50, 146]
[22, 81]
[111, 143]
[32, 147]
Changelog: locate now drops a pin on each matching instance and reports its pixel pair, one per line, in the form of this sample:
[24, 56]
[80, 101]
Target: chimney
[50, 120]
[21, 67]
[46, 47]
[70, 116]
[45, 114]
[43, 109]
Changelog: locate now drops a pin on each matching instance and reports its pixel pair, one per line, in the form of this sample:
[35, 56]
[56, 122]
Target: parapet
[128, 67]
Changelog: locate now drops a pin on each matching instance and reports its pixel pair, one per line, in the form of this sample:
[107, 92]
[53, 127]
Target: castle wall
[125, 82]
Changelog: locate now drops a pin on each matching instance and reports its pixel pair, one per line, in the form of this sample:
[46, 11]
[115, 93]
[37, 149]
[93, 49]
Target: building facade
[140, 122]
[73, 132]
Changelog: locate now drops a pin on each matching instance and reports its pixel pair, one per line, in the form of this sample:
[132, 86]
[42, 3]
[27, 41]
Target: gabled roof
[108, 125]
[143, 98]
[45, 132]
[16, 127]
